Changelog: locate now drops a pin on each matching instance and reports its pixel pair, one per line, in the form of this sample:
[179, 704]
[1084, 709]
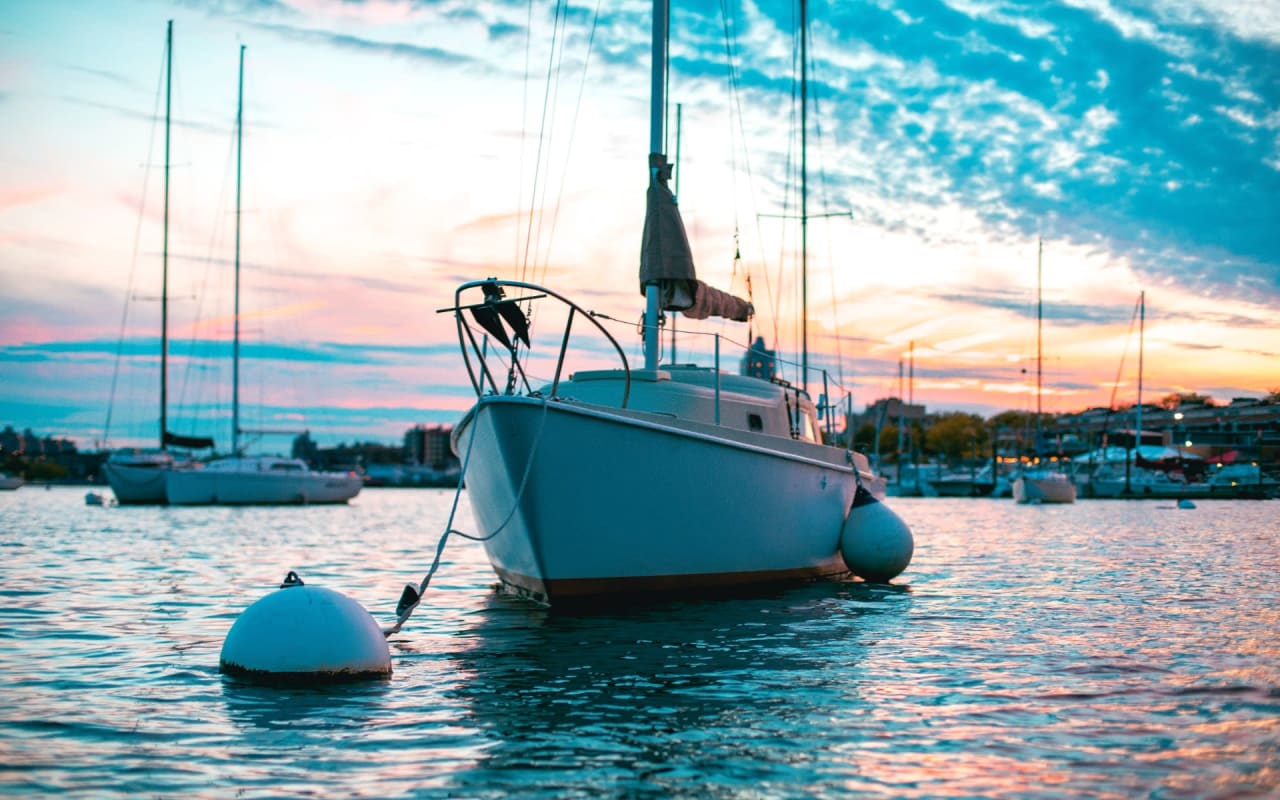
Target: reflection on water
[1101, 649]
[663, 693]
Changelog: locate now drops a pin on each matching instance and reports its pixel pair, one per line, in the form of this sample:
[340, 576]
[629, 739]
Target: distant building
[760, 361]
[429, 447]
[1247, 425]
[888, 411]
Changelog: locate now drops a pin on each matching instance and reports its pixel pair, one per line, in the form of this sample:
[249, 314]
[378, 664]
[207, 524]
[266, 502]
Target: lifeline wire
[406, 611]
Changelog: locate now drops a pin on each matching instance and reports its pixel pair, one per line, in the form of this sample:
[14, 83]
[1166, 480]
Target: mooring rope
[411, 597]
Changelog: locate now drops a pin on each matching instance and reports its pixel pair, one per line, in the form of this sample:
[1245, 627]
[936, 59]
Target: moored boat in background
[259, 480]
[137, 475]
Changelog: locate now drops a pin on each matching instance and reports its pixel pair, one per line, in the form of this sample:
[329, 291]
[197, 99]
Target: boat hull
[669, 506]
[140, 483]
[1044, 490]
[248, 487]
[962, 487]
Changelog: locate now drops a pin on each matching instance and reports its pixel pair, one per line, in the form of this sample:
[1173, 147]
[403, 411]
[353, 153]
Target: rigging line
[725, 339]
[826, 204]
[524, 131]
[133, 261]
[553, 83]
[790, 180]
[735, 113]
[201, 386]
[542, 136]
[403, 614]
[1133, 321]
[733, 177]
[573, 130]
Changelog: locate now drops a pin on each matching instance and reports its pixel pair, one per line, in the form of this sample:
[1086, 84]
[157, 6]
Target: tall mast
[804, 196]
[1142, 324]
[235, 346]
[660, 10]
[164, 252]
[676, 186]
[902, 418]
[1039, 324]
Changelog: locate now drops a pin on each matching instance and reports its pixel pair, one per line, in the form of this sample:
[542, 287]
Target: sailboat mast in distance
[235, 344]
[1039, 325]
[164, 252]
[1142, 327]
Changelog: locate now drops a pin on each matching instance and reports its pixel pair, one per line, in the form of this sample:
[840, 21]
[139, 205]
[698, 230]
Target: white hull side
[729, 512]
[137, 484]
[1044, 490]
[228, 487]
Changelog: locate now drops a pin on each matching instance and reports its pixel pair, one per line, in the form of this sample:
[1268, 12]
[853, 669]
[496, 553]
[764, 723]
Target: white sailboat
[246, 480]
[137, 476]
[623, 481]
[1041, 483]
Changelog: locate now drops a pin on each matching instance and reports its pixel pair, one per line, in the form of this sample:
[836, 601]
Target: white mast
[1039, 323]
[235, 347]
[1142, 324]
[651, 311]
[164, 253]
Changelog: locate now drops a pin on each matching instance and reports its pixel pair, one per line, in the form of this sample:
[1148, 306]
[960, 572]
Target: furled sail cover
[188, 442]
[665, 257]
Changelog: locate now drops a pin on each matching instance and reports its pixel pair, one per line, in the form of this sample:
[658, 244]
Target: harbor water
[1101, 649]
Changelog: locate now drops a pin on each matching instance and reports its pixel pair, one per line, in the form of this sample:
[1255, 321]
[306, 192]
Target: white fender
[876, 544]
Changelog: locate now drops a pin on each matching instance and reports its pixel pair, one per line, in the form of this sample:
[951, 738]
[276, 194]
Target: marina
[1107, 650]
[422, 461]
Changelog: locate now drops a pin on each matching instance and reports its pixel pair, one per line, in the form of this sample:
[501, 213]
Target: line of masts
[164, 255]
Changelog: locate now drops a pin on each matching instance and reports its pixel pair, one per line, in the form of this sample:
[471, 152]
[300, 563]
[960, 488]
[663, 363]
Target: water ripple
[1108, 650]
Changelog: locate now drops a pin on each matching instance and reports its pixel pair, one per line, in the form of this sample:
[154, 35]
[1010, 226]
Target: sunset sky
[395, 149]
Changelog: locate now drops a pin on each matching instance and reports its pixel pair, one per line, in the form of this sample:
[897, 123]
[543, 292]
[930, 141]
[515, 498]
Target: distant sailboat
[1041, 484]
[241, 479]
[138, 475]
[675, 478]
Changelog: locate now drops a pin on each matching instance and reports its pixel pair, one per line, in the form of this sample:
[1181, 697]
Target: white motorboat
[137, 475]
[668, 478]
[10, 482]
[259, 480]
[1043, 486]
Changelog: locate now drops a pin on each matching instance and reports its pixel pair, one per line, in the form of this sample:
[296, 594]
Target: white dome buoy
[875, 542]
[305, 634]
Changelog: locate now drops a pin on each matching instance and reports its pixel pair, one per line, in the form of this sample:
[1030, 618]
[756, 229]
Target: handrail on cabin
[502, 318]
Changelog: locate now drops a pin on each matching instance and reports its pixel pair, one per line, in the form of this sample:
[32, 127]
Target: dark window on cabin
[754, 422]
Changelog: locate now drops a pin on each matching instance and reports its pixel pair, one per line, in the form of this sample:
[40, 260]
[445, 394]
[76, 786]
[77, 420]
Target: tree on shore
[957, 435]
[1178, 399]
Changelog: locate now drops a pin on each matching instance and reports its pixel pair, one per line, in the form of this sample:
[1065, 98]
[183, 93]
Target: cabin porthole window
[755, 422]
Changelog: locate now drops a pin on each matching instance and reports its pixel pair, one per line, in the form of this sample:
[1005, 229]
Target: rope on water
[412, 596]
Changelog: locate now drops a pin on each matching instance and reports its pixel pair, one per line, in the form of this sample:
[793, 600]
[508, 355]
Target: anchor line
[405, 611]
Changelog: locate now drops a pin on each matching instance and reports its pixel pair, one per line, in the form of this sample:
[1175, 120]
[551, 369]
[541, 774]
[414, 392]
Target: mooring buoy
[303, 634]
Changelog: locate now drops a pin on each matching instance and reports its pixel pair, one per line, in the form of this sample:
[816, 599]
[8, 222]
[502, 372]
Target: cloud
[420, 54]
